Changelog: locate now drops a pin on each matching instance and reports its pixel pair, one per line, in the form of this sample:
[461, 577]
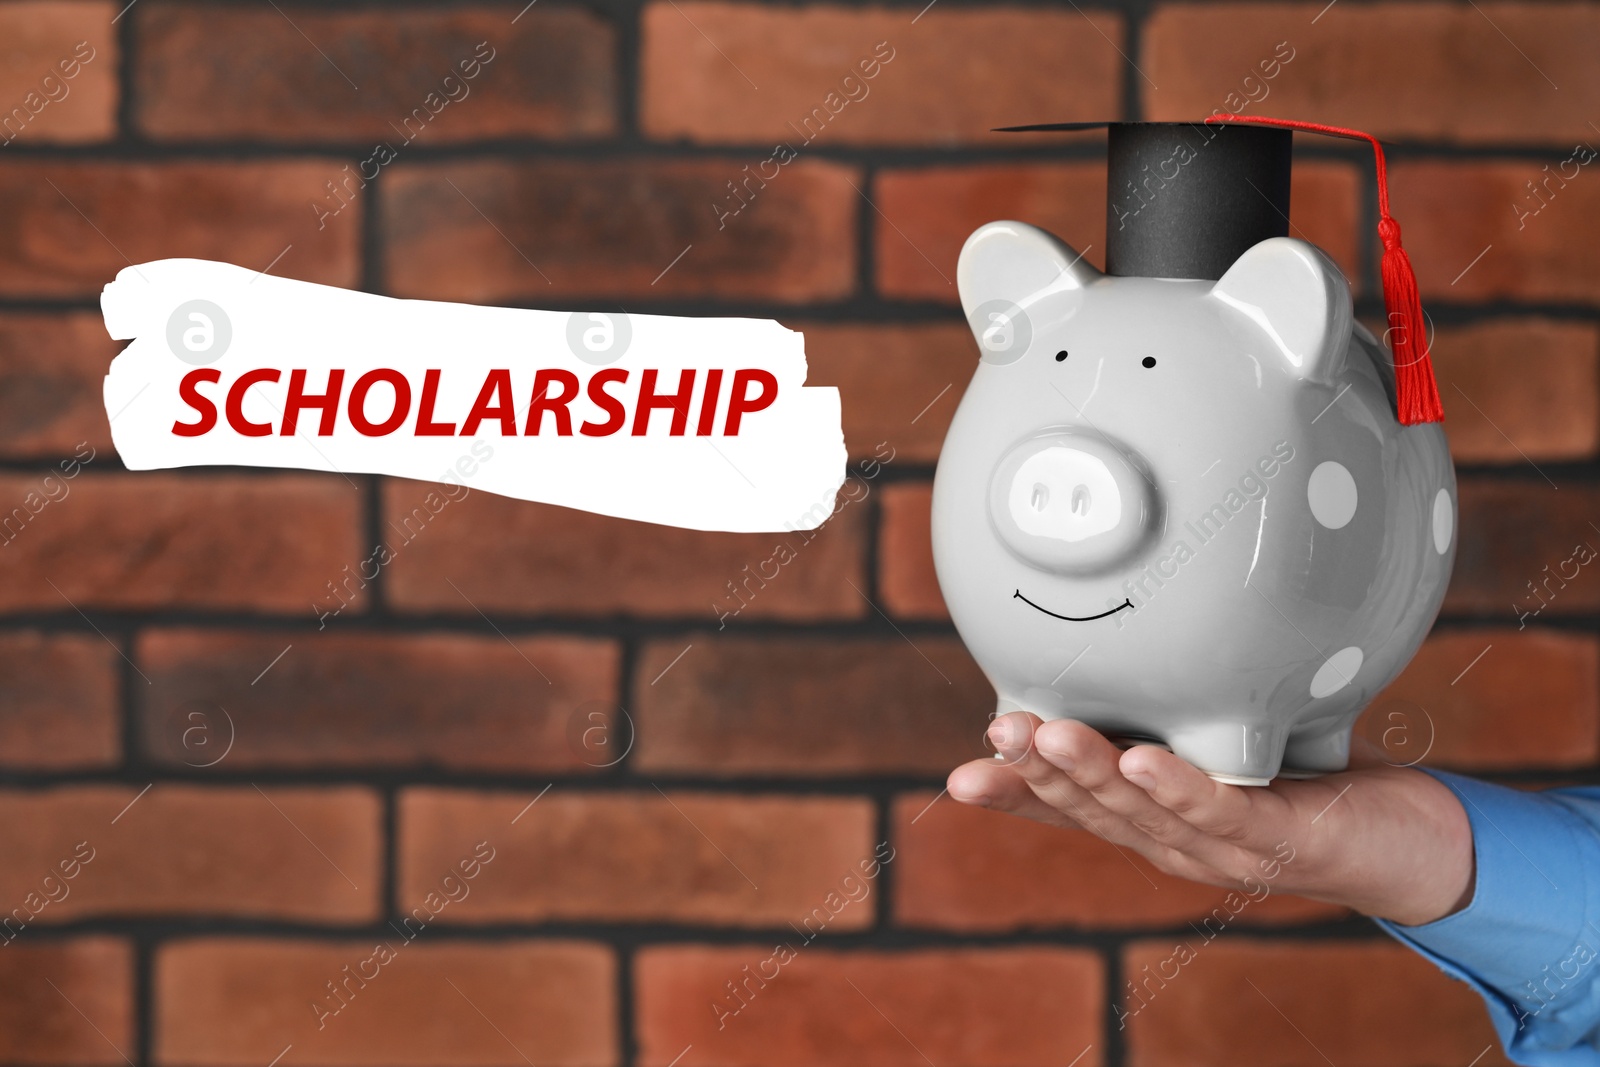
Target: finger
[1248, 818]
[1053, 798]
[989, 784]
[1091, 760]
[1015, 738]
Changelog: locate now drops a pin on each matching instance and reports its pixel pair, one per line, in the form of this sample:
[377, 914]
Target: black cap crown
[1185, 200]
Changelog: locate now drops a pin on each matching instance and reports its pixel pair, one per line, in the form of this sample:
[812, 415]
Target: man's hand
[1390, 842]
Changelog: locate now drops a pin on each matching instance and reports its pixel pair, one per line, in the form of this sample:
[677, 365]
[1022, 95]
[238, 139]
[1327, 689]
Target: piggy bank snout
[1072, 503]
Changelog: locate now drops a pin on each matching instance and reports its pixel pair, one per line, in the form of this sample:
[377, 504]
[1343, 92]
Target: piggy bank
[1184, 511]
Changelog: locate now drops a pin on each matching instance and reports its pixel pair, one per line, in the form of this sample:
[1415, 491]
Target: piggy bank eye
[1148, 361]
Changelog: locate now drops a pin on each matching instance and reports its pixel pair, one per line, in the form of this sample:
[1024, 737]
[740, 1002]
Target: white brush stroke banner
[779, 470]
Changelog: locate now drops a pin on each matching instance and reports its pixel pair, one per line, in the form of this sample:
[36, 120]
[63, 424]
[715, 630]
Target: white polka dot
[1444, 521]
[1332, 493]
[1337, 673]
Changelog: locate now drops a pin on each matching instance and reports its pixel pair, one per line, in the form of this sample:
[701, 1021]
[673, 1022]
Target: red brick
[1429, 71]
[1325, 209]
[898, 385]
[233, 1002]
[59, 692]
[926, 215]
[963, 868]
[86, 1019]
[512, 556]
[549, 75]
[809, 706]
[905, 554]
[102, 217]
[617, 227]
[1357, 1004]
[714, 859]
[284, 853]
[1543, 406]
[1457, 709]
[1510, 533]
[419, 700]
[170, 541]
[1453, 212]
[951, 77]
[52, 368]
[45, 42]
[1010, 1007]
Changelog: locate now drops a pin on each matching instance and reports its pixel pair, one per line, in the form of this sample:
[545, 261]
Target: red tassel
[1416, 390]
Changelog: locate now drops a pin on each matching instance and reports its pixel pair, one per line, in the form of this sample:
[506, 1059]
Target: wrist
[1397, 845]
[1433, 870]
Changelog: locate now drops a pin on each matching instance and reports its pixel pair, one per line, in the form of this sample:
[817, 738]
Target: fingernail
[1143, 779]
[1000, 734]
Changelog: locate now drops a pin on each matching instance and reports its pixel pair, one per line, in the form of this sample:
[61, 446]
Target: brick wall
[252, 794]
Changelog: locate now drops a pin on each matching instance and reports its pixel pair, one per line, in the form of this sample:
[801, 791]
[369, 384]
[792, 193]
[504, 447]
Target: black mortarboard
[1185, 200]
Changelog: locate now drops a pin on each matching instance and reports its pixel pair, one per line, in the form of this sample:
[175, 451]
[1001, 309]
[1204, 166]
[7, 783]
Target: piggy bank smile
[1071, 618]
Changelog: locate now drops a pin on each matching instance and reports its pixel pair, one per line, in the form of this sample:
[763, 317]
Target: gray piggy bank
[1184, 512]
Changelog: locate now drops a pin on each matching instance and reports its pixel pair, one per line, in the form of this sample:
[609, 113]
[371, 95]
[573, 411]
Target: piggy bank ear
[1015, 262]
[1297, 297]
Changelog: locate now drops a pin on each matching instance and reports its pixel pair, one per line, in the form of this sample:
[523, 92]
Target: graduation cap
[1185, 200]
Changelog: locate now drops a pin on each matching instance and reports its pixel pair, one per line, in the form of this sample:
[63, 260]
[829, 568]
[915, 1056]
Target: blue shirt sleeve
[1529, 942]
